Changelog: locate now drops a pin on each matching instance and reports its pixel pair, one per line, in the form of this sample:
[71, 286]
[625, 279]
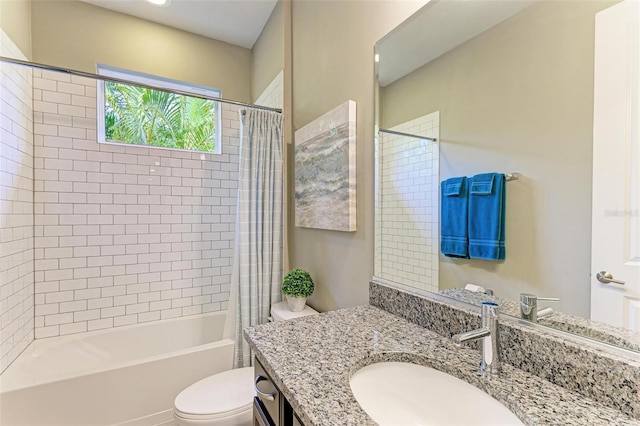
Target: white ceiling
[238, 22]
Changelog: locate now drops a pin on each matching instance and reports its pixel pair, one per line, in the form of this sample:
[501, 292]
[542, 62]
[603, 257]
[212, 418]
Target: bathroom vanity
[460, 91]
[270, 406]
[310, 361]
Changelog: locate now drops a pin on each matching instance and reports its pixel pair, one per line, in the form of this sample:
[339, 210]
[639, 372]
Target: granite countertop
[311, 360]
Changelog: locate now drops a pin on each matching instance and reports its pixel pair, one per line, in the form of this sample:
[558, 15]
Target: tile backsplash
[125, 234]
[16, 206]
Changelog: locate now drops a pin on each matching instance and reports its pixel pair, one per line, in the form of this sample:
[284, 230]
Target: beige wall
[78, 35]
[332, 63]
[520, 98]
[15, 20]
[268, 52]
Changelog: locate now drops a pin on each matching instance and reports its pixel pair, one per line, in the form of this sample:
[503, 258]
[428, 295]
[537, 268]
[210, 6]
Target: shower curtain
[257, 266]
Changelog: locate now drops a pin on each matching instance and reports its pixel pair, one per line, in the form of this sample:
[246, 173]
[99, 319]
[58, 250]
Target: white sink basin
[401, 393]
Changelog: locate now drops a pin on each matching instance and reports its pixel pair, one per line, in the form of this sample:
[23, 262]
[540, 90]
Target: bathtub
[123, 376]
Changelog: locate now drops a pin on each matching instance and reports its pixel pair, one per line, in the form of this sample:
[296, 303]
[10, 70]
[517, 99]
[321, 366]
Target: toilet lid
[224, 393]
[281, 312]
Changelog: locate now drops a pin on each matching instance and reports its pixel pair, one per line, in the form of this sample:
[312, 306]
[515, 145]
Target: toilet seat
[225, 399]
[216, 397]
[214, 416]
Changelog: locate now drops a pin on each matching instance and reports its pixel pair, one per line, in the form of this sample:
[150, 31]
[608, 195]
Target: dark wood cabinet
[270, 407]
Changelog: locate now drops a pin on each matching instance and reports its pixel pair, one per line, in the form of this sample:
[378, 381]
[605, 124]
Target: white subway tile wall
[273, 95]
[125, 234]
[407, 228]
[16, 206]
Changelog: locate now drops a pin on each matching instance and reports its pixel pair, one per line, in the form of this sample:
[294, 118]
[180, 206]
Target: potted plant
[297, 286]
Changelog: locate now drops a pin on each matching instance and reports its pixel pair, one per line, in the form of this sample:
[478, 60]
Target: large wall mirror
[545, 89]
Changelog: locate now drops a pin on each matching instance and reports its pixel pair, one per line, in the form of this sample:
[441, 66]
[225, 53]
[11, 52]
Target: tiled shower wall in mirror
[407, 216]
[16, 206]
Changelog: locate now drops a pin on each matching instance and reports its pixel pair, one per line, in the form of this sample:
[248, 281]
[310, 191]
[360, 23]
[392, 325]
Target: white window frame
[161, 82]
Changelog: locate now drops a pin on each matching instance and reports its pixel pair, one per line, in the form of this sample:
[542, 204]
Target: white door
[616, 164]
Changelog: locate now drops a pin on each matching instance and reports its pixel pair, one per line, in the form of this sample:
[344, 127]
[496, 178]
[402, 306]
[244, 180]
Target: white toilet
[225, 398]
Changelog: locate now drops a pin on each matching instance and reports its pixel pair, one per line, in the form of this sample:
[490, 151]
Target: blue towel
[487, 216]
[454, 207]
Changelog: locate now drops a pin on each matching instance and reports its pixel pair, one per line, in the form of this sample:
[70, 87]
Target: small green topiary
[298, 283]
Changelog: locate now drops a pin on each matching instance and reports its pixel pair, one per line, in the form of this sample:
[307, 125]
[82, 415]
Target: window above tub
[137, 115]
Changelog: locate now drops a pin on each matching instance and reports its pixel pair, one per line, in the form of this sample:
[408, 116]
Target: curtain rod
[508, 176]
[135, 83]
[393, 132]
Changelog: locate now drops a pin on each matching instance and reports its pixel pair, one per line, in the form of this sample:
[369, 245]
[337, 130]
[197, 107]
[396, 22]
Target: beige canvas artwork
[325, 171]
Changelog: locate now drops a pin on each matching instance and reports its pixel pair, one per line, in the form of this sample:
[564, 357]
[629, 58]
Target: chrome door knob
[606, 278]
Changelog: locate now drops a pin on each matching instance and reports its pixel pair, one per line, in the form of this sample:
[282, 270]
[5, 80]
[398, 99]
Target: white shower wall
[273, 95]
[125, 234]
[407, 215]
[16, 206]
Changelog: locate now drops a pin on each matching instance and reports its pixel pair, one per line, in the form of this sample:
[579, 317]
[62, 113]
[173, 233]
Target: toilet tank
[280, 312]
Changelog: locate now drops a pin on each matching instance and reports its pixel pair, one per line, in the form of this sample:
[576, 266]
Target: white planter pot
[296, 304]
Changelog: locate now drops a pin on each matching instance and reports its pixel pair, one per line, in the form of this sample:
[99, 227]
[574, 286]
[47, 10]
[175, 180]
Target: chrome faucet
[489, 334]
[529, 307]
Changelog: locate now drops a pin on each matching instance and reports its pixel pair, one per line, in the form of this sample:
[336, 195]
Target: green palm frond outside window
[141, 116]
